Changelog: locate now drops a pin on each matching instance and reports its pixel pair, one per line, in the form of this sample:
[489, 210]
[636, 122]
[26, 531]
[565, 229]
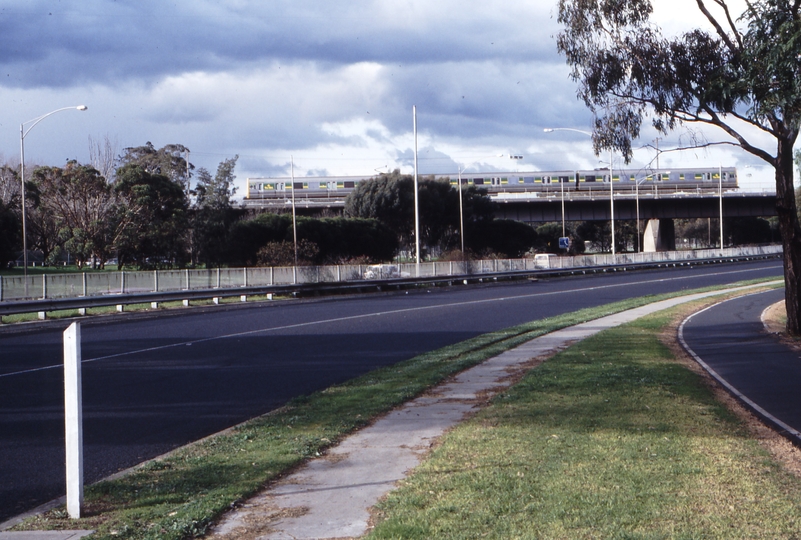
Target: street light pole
[294, 219]
[720, 190]
[563, 206]
[637, 198]
[612, 201]
[22, 134]
[611, 186]
[416, 199]
[461, 212]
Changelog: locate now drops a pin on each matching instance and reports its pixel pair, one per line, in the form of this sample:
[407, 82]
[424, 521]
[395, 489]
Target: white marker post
[73, 419]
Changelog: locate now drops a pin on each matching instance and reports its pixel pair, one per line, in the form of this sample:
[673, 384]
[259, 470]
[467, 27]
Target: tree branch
[722, 33]
[724, 5]
[715, 120]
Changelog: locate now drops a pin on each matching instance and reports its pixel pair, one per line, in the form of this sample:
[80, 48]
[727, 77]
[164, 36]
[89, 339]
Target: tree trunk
[791, 235]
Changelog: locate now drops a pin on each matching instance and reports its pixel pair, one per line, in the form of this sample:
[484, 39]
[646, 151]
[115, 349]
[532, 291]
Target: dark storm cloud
[55, 44]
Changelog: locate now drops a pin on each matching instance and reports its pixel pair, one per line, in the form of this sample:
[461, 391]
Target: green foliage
[341, 240]
[169, 161]
[283, 253]
[335, 239]
[627, 69]
[742, 76]
[548, 235]
[744, 231]
[770, 62]
[213, 213]
[216, 192]
[153, 218]
[247, 237]
[597, 232]
[389, 198]
[505, 237]
[76, 204]
[10, 237]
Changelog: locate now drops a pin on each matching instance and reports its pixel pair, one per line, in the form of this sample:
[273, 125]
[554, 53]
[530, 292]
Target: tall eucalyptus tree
[743, 76]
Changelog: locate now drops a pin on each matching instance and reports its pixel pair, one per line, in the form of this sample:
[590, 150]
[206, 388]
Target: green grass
[181, 495]
[612, 438]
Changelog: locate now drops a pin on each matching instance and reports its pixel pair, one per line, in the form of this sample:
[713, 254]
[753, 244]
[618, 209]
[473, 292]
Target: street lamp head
[81, 107]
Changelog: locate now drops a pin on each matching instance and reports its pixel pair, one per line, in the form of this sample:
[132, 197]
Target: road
[152, 384]
[729, 337]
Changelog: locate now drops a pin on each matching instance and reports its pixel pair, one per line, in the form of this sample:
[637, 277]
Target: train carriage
[336, 188]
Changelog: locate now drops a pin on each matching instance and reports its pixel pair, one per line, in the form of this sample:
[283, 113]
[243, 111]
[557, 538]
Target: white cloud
[329, 83]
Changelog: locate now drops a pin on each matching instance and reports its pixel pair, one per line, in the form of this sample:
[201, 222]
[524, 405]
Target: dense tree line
[267, 239]
[389, 198]
[159, 211]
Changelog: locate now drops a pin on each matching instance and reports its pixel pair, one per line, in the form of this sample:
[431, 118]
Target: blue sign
[564, 242]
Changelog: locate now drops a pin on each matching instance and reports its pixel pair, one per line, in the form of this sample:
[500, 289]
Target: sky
[328, 86]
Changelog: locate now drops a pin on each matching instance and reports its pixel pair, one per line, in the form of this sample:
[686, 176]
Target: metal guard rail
[304, 289]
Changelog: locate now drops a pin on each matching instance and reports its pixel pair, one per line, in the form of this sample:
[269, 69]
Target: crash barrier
[238, 280]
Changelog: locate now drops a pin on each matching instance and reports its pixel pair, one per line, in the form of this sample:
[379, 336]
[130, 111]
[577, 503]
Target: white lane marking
[380, 313]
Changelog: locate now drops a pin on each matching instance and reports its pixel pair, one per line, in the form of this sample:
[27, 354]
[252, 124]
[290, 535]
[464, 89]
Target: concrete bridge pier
[659, 235]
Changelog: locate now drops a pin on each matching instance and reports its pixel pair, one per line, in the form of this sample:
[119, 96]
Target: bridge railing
[56, 286]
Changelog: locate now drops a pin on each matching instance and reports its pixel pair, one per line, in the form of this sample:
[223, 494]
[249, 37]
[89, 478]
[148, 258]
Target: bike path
[729, 340]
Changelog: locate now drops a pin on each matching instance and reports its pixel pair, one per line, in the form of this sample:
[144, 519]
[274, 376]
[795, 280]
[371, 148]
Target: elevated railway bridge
[539, 197]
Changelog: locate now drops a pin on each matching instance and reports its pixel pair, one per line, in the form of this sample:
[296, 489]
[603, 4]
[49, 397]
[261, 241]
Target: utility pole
[416, 201]
[657, 151]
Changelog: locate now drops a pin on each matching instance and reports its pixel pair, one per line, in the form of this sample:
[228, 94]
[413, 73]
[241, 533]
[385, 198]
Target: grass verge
[612, 438]
[108, 310]
[180, 495]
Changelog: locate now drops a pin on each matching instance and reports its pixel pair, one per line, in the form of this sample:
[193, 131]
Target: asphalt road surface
[153, 383]
[729, 337]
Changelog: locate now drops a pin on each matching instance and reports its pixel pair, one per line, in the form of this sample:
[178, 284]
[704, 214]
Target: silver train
[496, 183]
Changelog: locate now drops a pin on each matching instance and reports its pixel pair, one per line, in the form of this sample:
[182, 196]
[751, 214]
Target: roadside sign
[564, 242]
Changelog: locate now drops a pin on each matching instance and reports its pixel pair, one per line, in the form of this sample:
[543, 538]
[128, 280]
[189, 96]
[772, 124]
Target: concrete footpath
[331, 497]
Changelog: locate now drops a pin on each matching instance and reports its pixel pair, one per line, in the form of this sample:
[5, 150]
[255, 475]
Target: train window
[322, 185]
[564, 179]
[269, 186]
[504, 181]
[478, 181]
[340, 185]
[299, 185]
[527, 180]
[349, 184]
[590, 178]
